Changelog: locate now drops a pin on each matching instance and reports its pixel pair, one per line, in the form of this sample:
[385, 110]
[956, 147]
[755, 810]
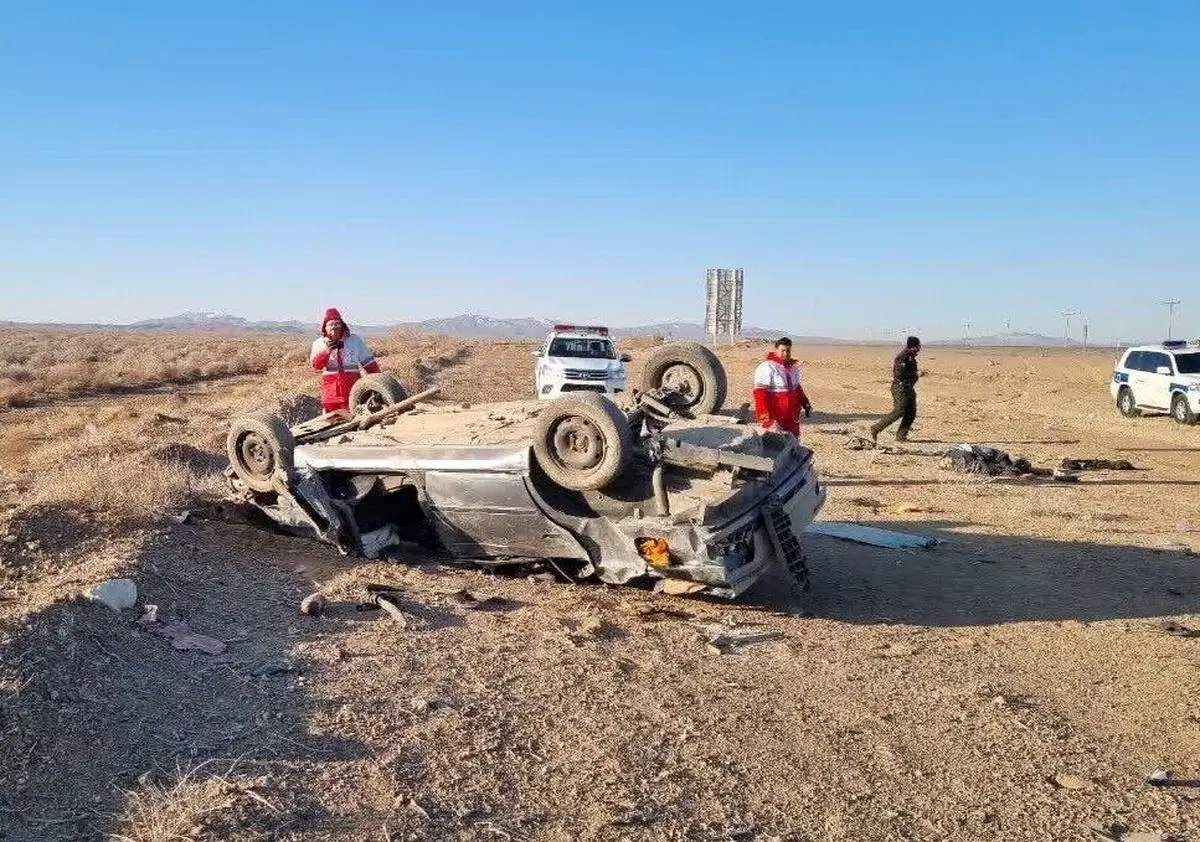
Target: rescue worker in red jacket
[778, 395]
[339, 354]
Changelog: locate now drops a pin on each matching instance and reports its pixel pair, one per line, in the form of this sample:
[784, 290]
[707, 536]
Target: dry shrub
[42, 365]
[131, 489]
[196, 805]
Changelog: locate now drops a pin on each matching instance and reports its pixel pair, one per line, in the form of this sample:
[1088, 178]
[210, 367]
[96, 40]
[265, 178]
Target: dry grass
[186, 808]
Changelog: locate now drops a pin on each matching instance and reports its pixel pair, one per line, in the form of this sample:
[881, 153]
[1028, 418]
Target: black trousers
[904, 408]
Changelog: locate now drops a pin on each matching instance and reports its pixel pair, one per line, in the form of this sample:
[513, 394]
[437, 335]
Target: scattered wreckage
[660, 488]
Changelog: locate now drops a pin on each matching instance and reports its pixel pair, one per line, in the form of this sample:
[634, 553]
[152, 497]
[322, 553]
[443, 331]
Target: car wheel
[692, 370]
[257, 445]
[582, 442]
[1180, 410]
[1125, 403]
[375, 392]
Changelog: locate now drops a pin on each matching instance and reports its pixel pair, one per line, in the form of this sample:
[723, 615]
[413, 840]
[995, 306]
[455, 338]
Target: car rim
[256, 455]
[577, 444]
[1180, 410]
[1126, 403]
[683, 379]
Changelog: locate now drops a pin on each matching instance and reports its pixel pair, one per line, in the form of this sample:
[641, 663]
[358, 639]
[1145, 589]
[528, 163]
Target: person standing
[904, 392]
[339, 354]
[778, 395]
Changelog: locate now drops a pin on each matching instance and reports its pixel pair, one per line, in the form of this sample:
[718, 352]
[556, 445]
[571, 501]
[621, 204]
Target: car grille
[585, 374]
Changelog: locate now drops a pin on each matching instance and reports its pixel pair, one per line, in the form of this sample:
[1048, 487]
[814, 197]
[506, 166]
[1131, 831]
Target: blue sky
[876, 168]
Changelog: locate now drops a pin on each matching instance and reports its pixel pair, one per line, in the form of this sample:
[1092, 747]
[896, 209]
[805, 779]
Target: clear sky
[876, 167]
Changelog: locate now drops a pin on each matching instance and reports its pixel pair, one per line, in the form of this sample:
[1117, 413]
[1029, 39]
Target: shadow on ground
[90, 703]
[973, 580]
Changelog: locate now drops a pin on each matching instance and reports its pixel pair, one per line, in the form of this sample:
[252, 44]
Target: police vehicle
[1156, 379]
[579, 358]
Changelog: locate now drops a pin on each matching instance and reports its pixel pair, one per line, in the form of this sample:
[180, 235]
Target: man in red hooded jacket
[778, 396]
[339, 354]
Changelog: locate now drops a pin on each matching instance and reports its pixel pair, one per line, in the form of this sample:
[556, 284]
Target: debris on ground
[871, 535]
[1161, 777]
[723, 640]
[117, 594]
[678, 587]
[474, 602]
[313, 605]
[1097, 465]
[177, 631]
[182, 517]
[987, 460]
[390, 599]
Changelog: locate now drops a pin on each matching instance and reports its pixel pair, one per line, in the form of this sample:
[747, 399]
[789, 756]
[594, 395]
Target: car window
[1188, 363]
[1154, 359]
[1133, 361]
[591, 349]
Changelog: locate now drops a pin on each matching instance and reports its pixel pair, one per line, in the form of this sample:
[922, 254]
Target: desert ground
[1017, 682]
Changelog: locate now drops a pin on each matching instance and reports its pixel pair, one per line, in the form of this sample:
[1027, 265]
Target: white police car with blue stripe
[1159, 379]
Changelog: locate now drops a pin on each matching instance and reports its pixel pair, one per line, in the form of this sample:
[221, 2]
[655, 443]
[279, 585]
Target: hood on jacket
[775, 358]
[332, 313]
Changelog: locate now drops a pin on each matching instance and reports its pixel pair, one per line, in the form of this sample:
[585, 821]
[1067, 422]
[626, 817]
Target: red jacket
[340, 366]
[778, 396]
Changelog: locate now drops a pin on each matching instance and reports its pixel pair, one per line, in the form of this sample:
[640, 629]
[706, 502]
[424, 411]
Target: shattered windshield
[1188, 363]
[582, 348]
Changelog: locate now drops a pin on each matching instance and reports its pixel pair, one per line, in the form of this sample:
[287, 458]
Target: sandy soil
[1014, 683]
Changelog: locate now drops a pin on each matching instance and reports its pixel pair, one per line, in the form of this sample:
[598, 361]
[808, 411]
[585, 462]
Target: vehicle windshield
[1188, 363]
[583, 348]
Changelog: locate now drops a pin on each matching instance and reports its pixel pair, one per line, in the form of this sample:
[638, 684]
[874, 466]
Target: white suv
[579, 359]
[1159, 378]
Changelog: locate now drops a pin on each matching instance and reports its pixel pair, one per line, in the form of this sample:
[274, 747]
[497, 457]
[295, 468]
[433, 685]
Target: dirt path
[922, 696]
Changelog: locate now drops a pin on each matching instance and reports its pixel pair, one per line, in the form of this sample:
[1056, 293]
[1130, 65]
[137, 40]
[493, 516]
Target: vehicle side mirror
[1162, 369]
[627, 358]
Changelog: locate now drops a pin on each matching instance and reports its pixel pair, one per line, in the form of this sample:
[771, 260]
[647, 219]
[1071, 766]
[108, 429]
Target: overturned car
[661, 488]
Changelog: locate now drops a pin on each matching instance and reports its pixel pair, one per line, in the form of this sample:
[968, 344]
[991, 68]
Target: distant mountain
[218, 321]
[480, 327]
[1014, 340]
[471, 326]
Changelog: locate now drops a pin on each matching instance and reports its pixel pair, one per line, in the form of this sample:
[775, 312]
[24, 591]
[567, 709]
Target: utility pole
[1171, 305]
[1067, 314]
[966, 333]
[1085, 334]
[1008, 326]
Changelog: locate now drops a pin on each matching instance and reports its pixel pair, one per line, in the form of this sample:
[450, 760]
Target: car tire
[1180, 410]
[257, 446]
[1125, 403]
[582, 442]
[375, 392]
[691, 368]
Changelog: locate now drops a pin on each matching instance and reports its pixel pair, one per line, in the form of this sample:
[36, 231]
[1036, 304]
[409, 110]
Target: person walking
[778, 395]
[904, 392]
[339, 354]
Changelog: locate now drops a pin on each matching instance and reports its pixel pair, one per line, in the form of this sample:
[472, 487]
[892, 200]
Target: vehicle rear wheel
[375, 392]
[1125, 403]
[257, 445]
[690, 369]
[582, 442]
[1180, 410]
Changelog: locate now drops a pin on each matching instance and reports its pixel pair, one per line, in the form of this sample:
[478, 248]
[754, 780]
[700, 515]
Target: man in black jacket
[904, 392]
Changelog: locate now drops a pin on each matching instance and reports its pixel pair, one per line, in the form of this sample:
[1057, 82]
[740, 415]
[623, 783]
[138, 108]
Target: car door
[1135, 376]
[1157, 392]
